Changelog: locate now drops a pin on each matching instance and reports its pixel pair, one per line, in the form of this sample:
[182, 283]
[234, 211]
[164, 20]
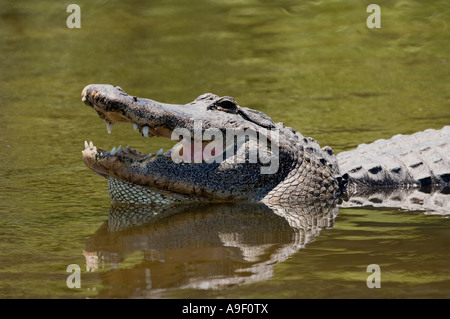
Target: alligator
[288, 166]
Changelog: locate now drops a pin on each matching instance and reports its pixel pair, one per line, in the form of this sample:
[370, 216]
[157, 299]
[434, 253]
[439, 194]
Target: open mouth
[147, 133]
[112, 110]
[184, 151]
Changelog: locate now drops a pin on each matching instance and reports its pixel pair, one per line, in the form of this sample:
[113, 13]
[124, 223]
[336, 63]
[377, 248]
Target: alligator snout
[105, 97]
[91, 94]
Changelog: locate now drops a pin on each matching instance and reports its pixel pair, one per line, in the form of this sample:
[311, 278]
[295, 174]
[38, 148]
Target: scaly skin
[304, 171]
[420, 160]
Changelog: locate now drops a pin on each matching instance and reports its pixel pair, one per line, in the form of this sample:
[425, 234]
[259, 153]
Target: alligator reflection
[206, 246]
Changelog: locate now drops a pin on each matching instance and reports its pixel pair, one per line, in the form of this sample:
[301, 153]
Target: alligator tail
[420, 161]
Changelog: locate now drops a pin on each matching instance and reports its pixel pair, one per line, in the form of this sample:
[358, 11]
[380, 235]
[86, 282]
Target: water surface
[312, 64]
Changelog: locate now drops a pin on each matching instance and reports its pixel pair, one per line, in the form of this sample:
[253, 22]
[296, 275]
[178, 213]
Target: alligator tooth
[113, 151]
[155, 128]
[119, 149]
[127, 149]
[86, 145]
[91, 145]
[149, 155]
[145, 131]
[160, 152]
[109, 127]
[135, 126]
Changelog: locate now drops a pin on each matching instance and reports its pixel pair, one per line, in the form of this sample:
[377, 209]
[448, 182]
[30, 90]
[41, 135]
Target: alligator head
[224, 152]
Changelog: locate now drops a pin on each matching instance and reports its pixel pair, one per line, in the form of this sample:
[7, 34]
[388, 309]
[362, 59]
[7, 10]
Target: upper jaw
[113, 105]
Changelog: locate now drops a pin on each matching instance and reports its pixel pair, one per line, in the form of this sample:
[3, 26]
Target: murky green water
[311, 64]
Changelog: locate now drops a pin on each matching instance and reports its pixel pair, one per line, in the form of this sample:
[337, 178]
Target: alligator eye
[226, 104]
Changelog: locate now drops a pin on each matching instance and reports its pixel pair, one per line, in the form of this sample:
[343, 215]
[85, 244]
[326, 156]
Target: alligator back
[420, 160]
